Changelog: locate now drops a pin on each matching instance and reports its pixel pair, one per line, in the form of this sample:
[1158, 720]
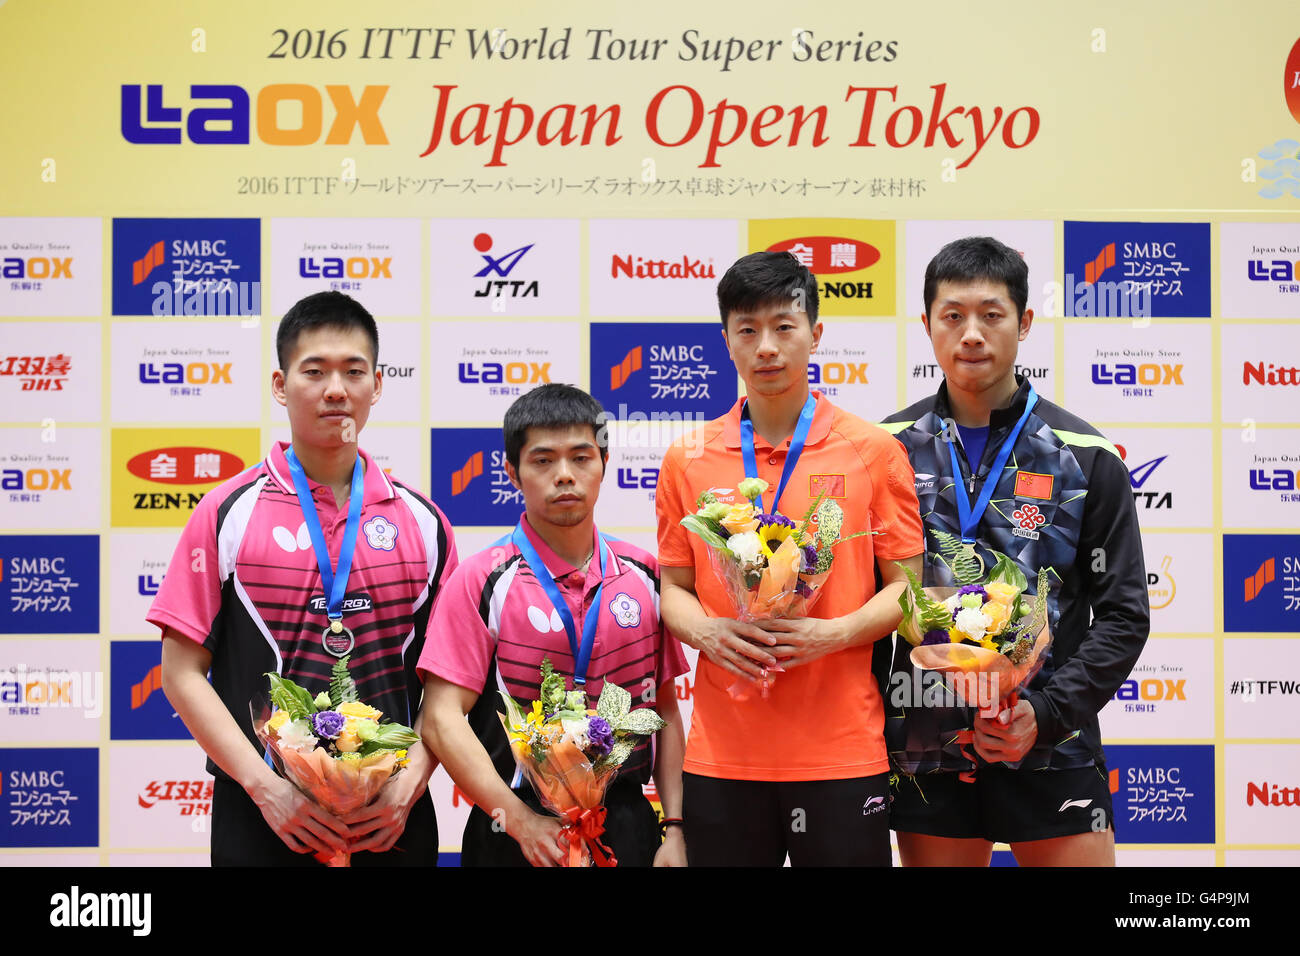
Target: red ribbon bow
[586, 826]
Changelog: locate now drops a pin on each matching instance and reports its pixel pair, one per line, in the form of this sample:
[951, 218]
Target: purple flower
[802, 589]
[774, 519]
[809, 558]
[600, 734]
[937, 636]
[974, 589]
[328, 724]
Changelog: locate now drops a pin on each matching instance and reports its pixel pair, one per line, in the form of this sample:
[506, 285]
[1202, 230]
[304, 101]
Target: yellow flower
[989, 644]
[278, 720]
[536, 717]
[354, 708]
[402, 759]
[955, 635]
[998, 615]
[1000, 592]
[772, 535]
[348, 742]
[740, 518]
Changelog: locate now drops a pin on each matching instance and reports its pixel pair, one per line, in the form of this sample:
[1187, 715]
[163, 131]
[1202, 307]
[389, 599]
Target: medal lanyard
[581, 655]
[970, 517]
[791, 459]
[332, 584]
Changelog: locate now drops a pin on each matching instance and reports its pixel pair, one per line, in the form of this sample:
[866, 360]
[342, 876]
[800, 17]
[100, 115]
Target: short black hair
[324, 310]
[552, 406]
[765, 279]
[975, 258]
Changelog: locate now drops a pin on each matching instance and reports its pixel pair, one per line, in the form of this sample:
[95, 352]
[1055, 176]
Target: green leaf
[960, 557]
[697, 525]
[642, 721]
[289, 697]
[342, 688]
[514, 713]
[614, 703]
[920, 613]
[1008, 572]
[621, 750]
[808, 515]
[396, 737]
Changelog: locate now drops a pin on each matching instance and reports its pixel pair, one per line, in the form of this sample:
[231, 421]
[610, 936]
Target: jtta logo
[501, 266]
[38, 373]
[1138, 475]
[226, 117]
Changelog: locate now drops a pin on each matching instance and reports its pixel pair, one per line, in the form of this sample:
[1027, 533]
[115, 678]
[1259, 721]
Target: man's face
[770, 347]
[559, 473]
[329, 386]
[975, 333]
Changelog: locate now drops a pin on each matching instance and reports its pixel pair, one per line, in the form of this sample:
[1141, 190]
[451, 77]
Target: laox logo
[1278, 270]
[36, 479]
[837, 373]
[643, 478]
[1152, 689]
[230, 123]
[194, 373]
[354, 267]
[1148, 373]
[494, 373]
[1277, 479]
[37, 267]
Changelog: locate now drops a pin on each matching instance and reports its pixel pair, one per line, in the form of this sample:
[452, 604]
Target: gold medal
[336, 626]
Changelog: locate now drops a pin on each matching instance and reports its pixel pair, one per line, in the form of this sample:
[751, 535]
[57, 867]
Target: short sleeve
[895, 510]
[189, 598]
[458, 646]
[674, 540]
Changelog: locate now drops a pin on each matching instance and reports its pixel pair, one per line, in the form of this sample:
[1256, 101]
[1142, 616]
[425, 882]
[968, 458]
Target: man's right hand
[736, 646]
[538, 836]
[302, 825]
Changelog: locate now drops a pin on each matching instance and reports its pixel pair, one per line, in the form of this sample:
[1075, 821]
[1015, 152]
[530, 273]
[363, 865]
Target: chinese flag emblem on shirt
[1030, 485]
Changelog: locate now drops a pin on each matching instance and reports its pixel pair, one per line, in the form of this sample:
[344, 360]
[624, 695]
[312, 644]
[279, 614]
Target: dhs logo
[1261, 583]
[139, 710]
[49, 584]
[220, 114]
[469, 480]
[51, 797]
[187, 267]
[1123, 269]
[1162, 794]
[496, 272]
[661, 371]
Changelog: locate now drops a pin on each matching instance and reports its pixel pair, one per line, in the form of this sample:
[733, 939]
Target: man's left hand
[803, 639]
[376, 826]
[1009, 736]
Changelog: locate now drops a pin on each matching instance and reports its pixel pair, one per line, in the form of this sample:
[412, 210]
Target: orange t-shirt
[823, 720]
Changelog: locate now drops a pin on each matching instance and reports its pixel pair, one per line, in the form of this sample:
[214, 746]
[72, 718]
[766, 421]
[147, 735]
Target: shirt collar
[820, 428]
[377, 485]
[560, 568]
[999, 417]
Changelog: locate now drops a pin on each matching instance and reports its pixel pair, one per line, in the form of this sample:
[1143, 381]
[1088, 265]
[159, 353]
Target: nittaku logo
[1138, 476]
[1271, 795]
[1257, 373]
[38, 373]
[639, 267]
[502, 266]
[1028, 519]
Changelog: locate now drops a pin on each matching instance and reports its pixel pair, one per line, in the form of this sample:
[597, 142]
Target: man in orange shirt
[799, 768]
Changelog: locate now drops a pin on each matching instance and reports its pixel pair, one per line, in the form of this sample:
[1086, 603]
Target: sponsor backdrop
[525, 195]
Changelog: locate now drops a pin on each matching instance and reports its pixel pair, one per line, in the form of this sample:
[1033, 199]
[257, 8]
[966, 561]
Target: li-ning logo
[1082, 804]
[142, 691]
[502, 265]
[620, 373]
[873, 805]
[1094, 269]
[141, 268]
[1256, 582]
[472, 468]
[1028, 519]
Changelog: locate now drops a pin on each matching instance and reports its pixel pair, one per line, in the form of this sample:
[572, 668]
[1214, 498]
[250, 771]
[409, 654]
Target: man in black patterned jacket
[997, 463]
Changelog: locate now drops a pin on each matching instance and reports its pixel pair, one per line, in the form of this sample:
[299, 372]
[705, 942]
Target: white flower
[748, 548]
[297, 735]
[972, 622]
[576, 730]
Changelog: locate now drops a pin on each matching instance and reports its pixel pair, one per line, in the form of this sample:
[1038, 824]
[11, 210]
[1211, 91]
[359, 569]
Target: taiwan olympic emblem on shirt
[1028, 518]
[381, 534]
[626, 610]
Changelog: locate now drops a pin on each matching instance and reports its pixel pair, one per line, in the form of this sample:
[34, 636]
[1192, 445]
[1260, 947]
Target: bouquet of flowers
[985, 637]
[332, 746]
[570, 754]
[773, 567]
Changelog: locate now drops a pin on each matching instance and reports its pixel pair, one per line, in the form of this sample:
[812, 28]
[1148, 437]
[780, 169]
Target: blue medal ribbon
[791, 458]
[970, 517]
[581, 654]
[334, 584]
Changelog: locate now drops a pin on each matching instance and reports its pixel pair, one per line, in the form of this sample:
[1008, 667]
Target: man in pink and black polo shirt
[494, 624]
[243, 596]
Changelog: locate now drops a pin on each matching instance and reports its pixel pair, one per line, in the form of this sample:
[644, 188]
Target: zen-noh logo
[187, 267]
